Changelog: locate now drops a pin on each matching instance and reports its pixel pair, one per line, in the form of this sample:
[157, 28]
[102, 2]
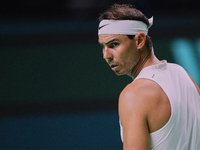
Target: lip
[114, 66]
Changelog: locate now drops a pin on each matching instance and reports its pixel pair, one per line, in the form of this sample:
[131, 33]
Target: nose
[107, 55]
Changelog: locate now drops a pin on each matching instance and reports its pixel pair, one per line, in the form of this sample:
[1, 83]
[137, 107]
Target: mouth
[114, 67]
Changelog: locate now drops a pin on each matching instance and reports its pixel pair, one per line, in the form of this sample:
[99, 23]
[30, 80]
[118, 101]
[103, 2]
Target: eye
[113, 45]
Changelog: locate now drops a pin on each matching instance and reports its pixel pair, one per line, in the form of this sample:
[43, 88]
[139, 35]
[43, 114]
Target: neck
[145, 60]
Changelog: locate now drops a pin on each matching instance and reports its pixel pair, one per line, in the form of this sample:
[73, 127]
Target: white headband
[125, 27]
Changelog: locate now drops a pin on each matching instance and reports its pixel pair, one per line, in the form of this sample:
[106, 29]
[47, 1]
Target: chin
[120, 73]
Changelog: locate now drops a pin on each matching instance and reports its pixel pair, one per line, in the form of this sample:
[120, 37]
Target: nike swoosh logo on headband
[103, 26]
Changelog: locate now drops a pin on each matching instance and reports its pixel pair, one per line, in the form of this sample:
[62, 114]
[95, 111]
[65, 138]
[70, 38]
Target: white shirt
[182, 131]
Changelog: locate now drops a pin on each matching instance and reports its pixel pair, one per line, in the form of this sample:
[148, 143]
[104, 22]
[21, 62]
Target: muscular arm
[133, 118]
[143, 108]
[198, 89]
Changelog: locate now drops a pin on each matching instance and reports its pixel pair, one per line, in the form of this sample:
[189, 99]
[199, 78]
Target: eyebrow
[109, 41]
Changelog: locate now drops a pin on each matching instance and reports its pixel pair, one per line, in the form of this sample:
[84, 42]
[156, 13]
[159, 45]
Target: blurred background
[56, 91]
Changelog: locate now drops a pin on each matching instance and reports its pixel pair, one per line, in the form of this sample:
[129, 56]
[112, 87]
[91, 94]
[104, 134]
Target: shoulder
[197, 87]
[135, 109]
[144, 100]
[140, 96]
[143, 96]
[140, 89]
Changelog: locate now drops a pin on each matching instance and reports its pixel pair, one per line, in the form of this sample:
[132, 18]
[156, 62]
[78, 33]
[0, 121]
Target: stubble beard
[139, 65]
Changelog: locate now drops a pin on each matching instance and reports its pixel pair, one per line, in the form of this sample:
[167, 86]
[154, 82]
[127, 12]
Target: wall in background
[47, 73]
[96, 130]
[56, 90]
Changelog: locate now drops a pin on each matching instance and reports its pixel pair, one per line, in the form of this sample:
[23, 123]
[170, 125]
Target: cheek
[127, 54]
[131, 59]
[130, 55]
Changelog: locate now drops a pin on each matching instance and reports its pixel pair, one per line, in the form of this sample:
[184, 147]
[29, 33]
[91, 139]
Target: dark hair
[127, 12]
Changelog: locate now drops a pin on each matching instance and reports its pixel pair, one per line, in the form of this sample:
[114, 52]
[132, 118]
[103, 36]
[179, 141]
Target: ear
[140, 40]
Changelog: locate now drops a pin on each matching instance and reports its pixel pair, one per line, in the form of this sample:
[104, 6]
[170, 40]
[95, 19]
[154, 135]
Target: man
[160, 109]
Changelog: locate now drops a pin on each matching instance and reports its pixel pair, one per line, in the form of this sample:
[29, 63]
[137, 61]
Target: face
[120, 53]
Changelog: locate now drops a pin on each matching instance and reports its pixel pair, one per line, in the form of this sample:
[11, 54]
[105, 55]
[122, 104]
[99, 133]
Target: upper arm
[198, 89]
[133, 115]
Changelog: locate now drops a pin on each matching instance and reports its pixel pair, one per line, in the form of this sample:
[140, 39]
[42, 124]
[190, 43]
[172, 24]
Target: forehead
[105, 38]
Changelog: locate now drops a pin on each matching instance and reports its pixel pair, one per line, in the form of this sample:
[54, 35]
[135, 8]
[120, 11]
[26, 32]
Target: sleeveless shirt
[182, 131]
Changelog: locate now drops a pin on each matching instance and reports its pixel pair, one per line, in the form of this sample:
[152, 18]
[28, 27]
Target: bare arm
[143, 108]
[133, 116]
[198, 89]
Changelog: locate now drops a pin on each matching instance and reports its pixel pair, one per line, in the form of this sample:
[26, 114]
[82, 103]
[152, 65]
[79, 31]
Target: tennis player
[160, 109]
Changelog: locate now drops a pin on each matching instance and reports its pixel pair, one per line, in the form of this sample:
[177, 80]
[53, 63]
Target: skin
[121, 51]
[141, 113]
